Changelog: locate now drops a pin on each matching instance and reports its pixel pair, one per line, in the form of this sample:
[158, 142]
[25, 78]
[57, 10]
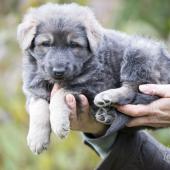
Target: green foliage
[162, 135]
[62, 155]
[153, 12]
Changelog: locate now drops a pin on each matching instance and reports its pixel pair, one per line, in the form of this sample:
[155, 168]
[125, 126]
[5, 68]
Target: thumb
[161, 90]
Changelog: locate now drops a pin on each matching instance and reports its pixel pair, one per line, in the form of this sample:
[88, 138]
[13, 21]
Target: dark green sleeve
[102, 145]
[136, 150]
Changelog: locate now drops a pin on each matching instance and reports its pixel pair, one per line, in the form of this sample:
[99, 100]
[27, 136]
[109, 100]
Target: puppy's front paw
[38, 139]
[103, 116]
[59, 114]
[39, 130]
[61, 129]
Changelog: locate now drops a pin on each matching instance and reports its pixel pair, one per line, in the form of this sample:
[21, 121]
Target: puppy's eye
[74, 45]
[45, 44]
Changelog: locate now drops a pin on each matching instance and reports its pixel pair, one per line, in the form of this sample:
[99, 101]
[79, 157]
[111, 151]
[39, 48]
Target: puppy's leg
[138, 67]
[123, 95]
[59, 114]
[39, 128]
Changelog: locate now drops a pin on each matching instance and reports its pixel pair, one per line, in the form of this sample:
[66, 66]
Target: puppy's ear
[26, 32]
[94, 36]
[94, 33]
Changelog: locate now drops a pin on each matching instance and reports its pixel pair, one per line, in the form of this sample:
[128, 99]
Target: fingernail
[133, 123]
[128, 125]
[69, 98]
[83, 99]
[56, 87]
[118, 107]
[146, 89]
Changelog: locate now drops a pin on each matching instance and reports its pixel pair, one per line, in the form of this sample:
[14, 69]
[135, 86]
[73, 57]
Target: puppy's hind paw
[103, 117]
[102, 100]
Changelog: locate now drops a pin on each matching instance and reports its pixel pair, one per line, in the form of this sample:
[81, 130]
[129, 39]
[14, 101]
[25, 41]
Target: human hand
[83, 121]
[155, 114]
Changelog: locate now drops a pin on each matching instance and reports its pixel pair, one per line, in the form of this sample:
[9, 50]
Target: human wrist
[98, 129]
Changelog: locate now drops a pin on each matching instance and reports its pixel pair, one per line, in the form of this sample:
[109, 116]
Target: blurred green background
[145, 17]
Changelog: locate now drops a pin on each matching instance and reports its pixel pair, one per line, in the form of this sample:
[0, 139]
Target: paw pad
[102, 100]
[103, 116]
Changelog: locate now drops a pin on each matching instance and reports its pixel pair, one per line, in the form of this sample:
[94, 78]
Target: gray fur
[98, 60]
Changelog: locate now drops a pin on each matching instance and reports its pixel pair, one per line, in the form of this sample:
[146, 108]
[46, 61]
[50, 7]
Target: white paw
[39, 129]
[59, 114]
[61, 129]
[38, 140]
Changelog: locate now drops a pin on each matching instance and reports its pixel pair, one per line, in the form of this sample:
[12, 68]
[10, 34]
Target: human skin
[155, 114]
[83, 121]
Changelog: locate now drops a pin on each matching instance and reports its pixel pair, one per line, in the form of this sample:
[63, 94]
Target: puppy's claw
[62, 133]
[62, 130]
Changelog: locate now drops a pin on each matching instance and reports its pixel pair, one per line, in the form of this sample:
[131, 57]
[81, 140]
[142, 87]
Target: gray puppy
[65, 44]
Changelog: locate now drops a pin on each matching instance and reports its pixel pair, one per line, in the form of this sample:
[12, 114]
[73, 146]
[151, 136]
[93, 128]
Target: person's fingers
[84, 103]
[56, 87]
[71, 102]
[159, 125]
[135, 110]
[163, 104]
[156, 89]
[151, 121]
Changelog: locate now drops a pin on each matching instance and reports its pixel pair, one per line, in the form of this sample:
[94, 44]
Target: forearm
[136, 150]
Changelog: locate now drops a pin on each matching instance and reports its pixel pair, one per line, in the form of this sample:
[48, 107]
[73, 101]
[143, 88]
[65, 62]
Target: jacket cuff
[102, 145]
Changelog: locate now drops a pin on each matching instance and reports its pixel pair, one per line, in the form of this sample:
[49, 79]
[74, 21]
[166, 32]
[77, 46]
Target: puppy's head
[60, 38]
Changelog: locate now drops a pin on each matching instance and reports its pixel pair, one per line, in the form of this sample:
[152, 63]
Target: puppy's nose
[58, 72]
